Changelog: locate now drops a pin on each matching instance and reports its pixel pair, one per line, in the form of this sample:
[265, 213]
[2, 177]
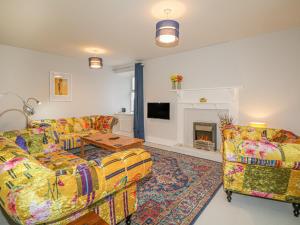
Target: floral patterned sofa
[67, 131]
[262, 162]
[40, 183]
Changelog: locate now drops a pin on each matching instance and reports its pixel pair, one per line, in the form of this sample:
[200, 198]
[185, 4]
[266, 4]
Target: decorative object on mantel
[27, 109]
[179, 80]
[258, 124]
[176, 80]
[203, 100]
[60, 86]
[173, 81]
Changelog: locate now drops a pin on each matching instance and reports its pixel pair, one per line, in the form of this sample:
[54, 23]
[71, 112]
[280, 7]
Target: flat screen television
[159, 110]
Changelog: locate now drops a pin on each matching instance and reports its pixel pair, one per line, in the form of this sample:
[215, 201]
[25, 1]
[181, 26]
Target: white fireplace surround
[220, 98]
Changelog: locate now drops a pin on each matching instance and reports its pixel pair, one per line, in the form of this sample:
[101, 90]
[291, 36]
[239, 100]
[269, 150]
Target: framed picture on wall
[60, 86]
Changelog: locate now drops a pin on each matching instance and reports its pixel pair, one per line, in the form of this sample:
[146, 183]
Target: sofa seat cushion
[33, 140]
[59, 160]
[263, 152]
[72, 140]
[262, 181]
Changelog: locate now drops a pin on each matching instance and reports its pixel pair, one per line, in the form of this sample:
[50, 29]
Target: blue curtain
[138, 124]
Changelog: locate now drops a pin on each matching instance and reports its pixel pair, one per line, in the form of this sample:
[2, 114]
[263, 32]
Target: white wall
[26, 72]
[268, 67]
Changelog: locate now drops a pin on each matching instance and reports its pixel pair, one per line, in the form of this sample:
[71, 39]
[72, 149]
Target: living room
[207, 122]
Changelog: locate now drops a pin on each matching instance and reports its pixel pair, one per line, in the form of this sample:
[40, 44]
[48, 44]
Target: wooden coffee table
[110, 141]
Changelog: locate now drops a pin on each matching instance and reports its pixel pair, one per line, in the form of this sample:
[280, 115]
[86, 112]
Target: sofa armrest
[122, 169]
[114, 122]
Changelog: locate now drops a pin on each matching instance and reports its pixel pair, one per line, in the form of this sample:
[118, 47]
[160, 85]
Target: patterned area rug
[177, 192]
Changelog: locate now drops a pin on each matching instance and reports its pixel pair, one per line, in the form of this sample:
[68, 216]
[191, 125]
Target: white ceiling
[125, 29]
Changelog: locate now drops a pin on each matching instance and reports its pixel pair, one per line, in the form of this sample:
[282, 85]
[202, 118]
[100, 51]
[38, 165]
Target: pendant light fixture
[95, 62]
[167, 31]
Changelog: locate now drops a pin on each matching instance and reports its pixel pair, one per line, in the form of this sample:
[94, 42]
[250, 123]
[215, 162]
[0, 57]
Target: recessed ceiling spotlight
[167, 32]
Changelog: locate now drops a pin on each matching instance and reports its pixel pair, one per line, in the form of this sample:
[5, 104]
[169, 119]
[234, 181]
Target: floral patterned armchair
[263, 163]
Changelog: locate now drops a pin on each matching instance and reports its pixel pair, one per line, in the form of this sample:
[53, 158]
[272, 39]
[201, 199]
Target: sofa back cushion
[104, 123]
[87, 122]
[77, 125]
[65, 125]
[284, 136]
[46, 123]
[249, 133]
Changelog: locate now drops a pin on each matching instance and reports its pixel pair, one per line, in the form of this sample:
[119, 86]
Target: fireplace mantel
[219, 98]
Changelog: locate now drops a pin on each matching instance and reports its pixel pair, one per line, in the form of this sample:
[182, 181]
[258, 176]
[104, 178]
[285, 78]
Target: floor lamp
[27, 109]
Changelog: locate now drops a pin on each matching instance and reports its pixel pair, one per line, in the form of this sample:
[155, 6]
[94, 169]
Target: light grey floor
[243, 210]
[246, 210]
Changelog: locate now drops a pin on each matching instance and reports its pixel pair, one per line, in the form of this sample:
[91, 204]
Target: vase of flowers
[176, 80]
[179, 80]
[173, 79]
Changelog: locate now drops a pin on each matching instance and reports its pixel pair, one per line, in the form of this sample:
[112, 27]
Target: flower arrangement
[226, 120]
[179, 78]
[176, 80]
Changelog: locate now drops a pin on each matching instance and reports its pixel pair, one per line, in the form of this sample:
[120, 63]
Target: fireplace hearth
[205, 136]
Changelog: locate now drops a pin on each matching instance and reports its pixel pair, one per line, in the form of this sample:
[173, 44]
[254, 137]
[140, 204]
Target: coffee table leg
[81, 148]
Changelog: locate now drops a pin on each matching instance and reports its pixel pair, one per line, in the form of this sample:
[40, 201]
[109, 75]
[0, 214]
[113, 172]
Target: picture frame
[60, 87]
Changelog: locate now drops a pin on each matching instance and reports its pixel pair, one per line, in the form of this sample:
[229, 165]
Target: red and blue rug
[179, 189]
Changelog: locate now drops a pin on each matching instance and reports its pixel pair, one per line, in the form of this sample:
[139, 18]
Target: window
[132, 94]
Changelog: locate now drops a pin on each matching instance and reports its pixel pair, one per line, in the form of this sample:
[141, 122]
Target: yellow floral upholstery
[59, 160]
[58, 187]
[254, 164]
[67, 131]
[104, 123]
[72, 140]
[33, 140]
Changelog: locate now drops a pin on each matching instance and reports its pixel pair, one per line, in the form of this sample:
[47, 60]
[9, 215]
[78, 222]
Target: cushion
[60, 160]
[249, 133]
[284, 136]
[264, 153]
[33, 140]
[72, 140]
[65, 125]
[104, 123]
[86, 122]
[46, 123]
[78, 125]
